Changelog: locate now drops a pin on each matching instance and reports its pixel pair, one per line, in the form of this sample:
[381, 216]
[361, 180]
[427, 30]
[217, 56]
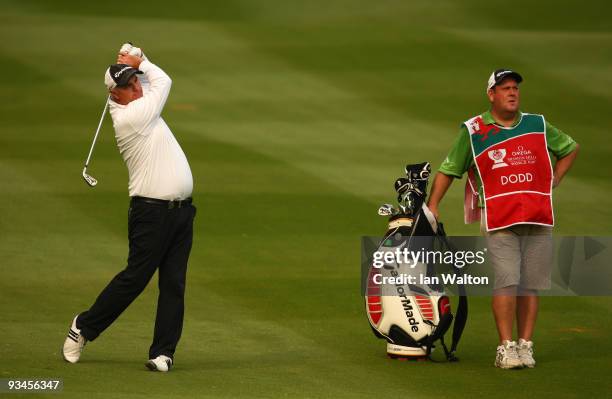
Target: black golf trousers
[160, 238]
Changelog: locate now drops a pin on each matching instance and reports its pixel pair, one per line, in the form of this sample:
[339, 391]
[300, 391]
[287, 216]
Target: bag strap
[459, 324]
[462, 308]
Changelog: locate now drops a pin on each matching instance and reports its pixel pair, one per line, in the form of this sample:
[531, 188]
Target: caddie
[508, 155]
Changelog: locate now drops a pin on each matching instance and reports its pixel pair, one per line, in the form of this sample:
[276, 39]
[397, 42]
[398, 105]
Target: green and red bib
[515, 170]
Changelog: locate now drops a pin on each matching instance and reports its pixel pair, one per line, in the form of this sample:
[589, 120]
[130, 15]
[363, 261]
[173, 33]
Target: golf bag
[412, 317]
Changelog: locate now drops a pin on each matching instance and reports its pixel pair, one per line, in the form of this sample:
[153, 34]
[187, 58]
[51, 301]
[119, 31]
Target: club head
[90, 180]
[406, 202]
[402, 185]
[418, 171]
[387, 210]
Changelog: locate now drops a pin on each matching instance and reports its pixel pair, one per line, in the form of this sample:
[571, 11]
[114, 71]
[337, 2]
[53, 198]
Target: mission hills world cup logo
[497, 156]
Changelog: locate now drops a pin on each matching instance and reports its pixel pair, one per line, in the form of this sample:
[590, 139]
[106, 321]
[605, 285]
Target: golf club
[418, 171]
[90, 179]
[387, 210]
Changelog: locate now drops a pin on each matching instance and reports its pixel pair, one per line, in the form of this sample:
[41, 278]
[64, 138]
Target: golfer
[161, 213]
[507, 154]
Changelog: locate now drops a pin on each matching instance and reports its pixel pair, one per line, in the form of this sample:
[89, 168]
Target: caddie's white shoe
[74, 343]
[507, 356]
[525, 352]
[161, 363]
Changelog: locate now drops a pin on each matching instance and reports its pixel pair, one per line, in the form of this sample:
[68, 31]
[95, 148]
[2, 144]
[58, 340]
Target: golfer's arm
[149, 107]
[563, 165]
[159, 87]
[439, 187]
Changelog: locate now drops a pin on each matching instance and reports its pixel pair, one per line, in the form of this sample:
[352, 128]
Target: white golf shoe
[161, 363]
[507, 356]
[74, 343]
[525, 353]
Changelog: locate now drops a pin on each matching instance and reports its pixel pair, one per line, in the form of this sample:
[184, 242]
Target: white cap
[500, 74]
[108, 80]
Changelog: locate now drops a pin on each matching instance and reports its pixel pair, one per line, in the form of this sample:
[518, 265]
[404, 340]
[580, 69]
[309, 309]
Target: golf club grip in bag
[412, 317]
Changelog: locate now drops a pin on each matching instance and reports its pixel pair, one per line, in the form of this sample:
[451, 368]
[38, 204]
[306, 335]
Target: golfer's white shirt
[156, 163]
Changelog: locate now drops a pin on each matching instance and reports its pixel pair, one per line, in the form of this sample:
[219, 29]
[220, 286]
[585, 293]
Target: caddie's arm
[149, 107]
[454, 166]
[439, 187]
[564, 148]
[563, 165]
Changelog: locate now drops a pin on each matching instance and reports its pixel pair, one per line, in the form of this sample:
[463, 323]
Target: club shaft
[93, 144]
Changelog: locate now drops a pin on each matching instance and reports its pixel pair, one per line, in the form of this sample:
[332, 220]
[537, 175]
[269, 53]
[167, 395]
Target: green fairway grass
[296, 118]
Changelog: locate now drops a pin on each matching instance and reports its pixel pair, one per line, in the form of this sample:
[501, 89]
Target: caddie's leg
[526, 313]
[536, 265]
[146, 242]
[172, 276]
[504, 309]
[504, 256]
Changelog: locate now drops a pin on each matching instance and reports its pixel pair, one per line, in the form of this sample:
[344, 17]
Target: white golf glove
[126, 48]
[130, 49]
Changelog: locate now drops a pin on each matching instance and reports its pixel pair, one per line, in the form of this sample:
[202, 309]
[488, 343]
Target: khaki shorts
[521, 255]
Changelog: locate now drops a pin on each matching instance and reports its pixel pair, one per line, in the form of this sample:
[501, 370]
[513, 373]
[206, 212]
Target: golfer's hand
[129, 59]
[126, 48]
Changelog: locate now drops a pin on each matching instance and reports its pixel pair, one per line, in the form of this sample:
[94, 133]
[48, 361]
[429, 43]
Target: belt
[166, 203]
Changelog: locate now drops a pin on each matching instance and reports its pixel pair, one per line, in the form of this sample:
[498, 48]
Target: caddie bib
[515, 170]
